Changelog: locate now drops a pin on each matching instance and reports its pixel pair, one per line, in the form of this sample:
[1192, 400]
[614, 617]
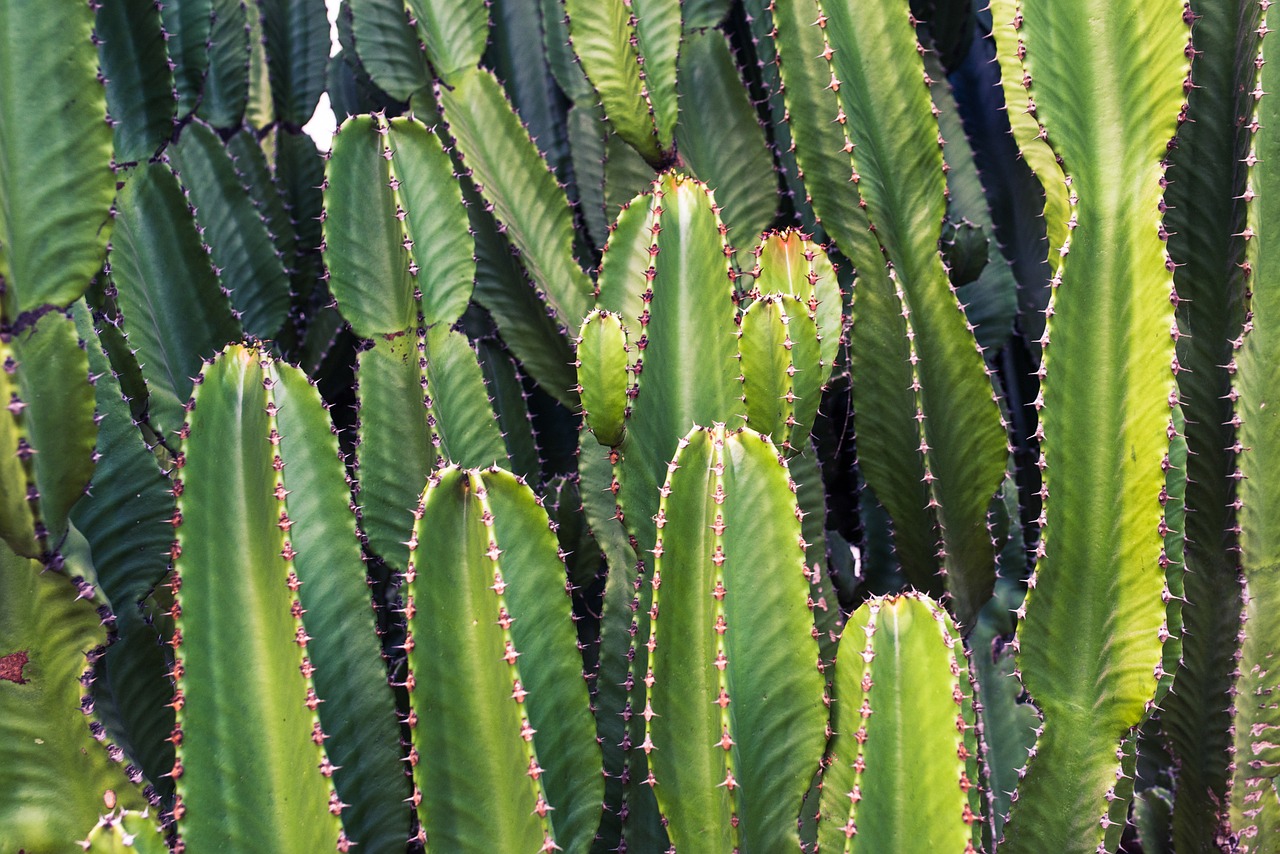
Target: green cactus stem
[504, 755]
[731, 649]
[259, 689]
[1100, 586]
[1254, 796]
[900, 774]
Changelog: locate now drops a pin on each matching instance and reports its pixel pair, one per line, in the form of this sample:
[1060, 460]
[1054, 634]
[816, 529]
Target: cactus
[900, 664]
[298, 585]
[503, 753]
[962, 313]
[1253, 814]
[718, 675]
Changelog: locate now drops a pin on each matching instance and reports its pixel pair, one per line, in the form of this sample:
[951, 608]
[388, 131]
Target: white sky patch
[323, 122]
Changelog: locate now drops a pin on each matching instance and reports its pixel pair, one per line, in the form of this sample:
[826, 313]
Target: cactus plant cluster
[646, 426]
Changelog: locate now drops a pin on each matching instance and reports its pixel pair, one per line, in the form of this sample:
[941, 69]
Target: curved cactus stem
[358, 710]
[1206, 222]
[388, 47]
[604, 39]
[125, 521]
[241, 248]
[896, 164]
[189, 25]
[56, 182]
[731, 658]
[900, 774]
[297, 48]
[1100, 586]
[511, 174]
[174, 313]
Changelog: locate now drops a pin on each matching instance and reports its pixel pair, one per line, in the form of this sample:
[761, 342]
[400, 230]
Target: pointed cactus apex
[602, 373]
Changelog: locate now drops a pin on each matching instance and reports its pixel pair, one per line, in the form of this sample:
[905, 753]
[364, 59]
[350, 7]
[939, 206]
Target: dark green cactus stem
[731, 654]
[395, 230]
[423, 404]
[1100, 588]
[1206, 222]
[504, 755]
[1254, 796]
[174, 314]
[900, 774]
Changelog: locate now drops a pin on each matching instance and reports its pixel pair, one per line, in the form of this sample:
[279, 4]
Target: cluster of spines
[292, 582]
[476, 489]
